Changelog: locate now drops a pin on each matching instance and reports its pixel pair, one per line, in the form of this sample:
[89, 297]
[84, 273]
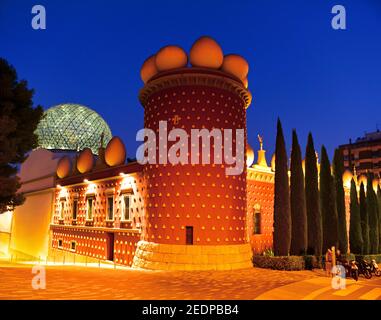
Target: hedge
[307, 262]
[279, 263]
[369, 257]
[313, 262]
[349, 256]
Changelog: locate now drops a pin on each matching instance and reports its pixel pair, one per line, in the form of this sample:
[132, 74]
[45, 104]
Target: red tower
[195, 212]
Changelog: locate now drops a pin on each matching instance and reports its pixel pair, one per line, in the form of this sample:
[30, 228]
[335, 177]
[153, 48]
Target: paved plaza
[78, 282]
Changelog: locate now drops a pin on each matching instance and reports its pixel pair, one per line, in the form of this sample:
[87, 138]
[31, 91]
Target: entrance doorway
[189, 234]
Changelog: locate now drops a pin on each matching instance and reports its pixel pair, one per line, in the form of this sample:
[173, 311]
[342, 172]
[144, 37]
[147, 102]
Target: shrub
[349, 256]
[280, 262]
[369, 257]
[312, 262]
[268, 253]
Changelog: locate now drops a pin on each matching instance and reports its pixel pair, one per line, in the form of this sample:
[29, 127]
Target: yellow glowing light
[91, 188]
[63, 193]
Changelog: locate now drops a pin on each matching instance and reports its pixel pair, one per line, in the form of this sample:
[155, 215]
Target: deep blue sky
[311, 76]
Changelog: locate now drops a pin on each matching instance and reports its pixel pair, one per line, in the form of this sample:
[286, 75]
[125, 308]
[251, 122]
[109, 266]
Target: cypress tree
[379, 216]
[364, 220]
[355, 233]
[282, 212]
[298, 200]
[376, 203]
[338, 171]
[327, 203]
[372, 210]
[314, 224]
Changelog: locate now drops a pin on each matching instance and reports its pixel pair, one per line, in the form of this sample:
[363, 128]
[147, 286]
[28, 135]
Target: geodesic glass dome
[71, 127]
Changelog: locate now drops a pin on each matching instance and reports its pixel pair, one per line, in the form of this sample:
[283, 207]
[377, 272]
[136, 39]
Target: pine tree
[314, 223]
[327, 203]
[282, 212]
[298, 200]
[355, 234]
[372, 210]
[338, 171]
[18, 121]
[364, 220]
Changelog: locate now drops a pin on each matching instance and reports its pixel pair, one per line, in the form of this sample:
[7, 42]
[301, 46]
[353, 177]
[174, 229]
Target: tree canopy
[328, 203]
[355, 234]
[364, 220]
[338, 171]
[18, 121]
[298, 200]
[314, 222]
[282, 212]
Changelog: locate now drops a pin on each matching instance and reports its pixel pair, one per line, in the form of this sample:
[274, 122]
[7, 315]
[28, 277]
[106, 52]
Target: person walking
[328, 262]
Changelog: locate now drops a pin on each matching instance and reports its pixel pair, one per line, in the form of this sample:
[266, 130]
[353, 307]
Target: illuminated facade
[72, 127]
[24, 233]
[164, 216]
[260, 207]
[186, 216]
[102, 217]
[103, 214]
[364, 155]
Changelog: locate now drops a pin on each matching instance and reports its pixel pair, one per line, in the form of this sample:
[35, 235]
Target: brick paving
[73, 282]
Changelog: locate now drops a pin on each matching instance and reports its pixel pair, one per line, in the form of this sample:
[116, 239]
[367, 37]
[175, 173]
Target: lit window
[110, 208]
[75, 209]
[257, 223]
[90, 208]
[126, 202]
[62, 209]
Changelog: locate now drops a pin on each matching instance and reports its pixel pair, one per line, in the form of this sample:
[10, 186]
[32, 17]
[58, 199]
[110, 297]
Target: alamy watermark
[39, 19]
[39, 280]
[159, 152]
[339, 21]
[339, 277]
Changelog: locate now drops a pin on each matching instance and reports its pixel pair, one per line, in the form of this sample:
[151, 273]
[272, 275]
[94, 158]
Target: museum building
[164, 216]
[85, 201]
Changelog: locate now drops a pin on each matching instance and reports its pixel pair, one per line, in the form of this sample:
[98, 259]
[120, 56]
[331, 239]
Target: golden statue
[261, 153]
[260, 139]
